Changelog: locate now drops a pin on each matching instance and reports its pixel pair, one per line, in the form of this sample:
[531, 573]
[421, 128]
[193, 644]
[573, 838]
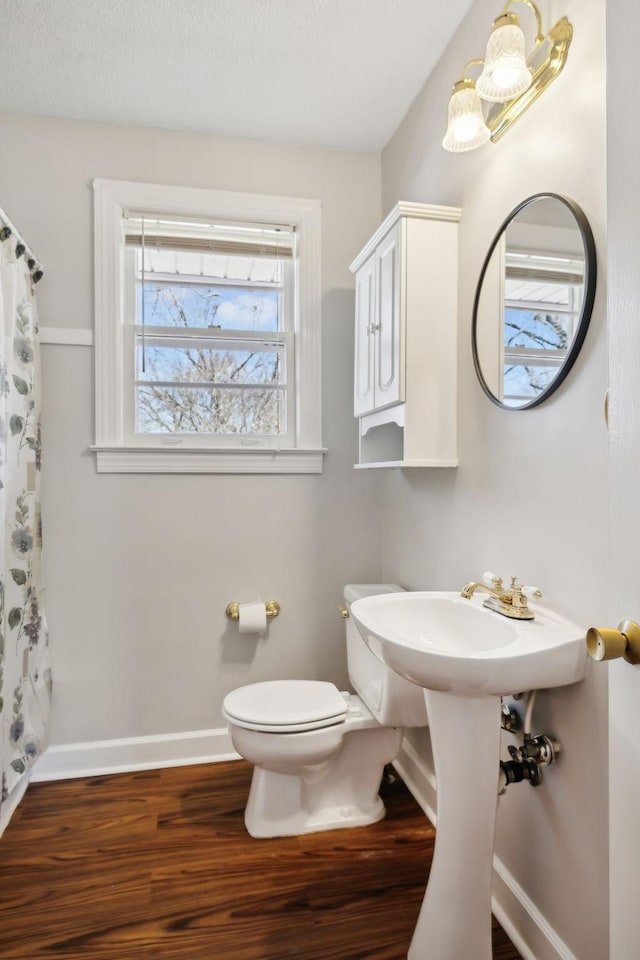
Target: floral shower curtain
[25, 674]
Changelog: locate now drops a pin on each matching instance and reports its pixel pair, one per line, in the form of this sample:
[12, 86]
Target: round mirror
[534, 300]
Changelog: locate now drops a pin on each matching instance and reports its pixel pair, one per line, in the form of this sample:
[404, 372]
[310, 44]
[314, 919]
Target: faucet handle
[515, 588]
[532, 593]
[492, 580]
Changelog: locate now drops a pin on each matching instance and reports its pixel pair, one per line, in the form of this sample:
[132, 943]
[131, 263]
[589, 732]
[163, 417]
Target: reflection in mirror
[534, 301]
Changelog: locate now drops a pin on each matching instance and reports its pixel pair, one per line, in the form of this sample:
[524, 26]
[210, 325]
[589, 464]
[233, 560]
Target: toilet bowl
[319, 753]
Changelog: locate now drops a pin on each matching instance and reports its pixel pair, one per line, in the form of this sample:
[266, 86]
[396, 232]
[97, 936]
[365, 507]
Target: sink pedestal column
[455, 918]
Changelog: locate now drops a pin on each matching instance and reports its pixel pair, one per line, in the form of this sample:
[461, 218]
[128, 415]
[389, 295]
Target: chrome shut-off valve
[527, 760]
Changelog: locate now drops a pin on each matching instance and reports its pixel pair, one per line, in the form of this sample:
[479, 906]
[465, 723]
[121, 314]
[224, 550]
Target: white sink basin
[445, 642]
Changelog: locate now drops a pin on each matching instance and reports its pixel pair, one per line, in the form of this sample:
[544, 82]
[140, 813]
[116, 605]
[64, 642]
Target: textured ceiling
[337, 73]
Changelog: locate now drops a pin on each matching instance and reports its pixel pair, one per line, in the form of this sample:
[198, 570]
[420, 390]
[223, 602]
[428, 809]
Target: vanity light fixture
[466, 129]
[510, 81]
[506, 74]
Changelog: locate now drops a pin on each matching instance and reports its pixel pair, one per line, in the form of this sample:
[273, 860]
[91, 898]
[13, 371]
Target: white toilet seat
[286, 706]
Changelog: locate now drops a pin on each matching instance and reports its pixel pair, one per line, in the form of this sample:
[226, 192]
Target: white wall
[139, 569]
[530, 494]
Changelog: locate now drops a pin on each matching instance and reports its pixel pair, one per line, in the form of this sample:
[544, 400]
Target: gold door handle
[605, 643]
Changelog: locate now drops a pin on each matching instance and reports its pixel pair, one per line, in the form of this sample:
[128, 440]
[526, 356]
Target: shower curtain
[25, 674]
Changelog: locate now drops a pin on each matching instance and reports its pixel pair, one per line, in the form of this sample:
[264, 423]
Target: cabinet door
[363, 393]
[389, 379]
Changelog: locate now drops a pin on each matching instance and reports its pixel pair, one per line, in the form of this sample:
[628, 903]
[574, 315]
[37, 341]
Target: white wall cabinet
[405, 375]
[379, 380]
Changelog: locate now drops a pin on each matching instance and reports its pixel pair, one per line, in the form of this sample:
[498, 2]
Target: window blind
[539, 274]
[267, 241]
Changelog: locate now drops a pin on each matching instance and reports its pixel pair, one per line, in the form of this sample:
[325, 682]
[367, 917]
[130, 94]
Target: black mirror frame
[587, 303]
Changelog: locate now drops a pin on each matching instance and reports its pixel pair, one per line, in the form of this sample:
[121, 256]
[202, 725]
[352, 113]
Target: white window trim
[113, 453]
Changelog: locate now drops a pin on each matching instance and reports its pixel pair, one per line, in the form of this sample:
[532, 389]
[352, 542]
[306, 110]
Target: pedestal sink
[466, 658]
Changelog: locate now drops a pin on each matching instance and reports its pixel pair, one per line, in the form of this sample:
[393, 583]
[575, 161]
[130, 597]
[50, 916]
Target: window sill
[225, 460]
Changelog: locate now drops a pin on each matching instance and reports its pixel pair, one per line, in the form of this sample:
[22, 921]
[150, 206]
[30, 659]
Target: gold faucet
[510, 601]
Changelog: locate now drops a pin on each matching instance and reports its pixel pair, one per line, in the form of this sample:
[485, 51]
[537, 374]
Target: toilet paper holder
[272, 609]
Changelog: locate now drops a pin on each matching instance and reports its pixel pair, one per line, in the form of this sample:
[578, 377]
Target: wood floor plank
[157, 865]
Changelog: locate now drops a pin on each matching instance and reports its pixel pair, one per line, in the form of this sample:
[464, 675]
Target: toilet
[319, 753]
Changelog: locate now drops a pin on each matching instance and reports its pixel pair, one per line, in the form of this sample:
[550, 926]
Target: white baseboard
[521, 920]
[133, 753]
[418, 778]
[519, 917]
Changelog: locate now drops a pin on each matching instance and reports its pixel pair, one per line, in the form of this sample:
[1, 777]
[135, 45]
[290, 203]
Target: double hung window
[207, 331]
[543, 295]
[209, 318]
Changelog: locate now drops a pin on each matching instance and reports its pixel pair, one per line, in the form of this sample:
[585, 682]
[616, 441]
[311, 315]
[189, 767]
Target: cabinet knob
[605, 643]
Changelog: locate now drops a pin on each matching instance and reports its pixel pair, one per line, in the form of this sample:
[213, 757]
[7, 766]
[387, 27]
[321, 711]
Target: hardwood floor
[158, 865]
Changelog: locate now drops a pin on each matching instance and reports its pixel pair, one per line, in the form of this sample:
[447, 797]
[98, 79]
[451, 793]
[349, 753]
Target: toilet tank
[394, 701]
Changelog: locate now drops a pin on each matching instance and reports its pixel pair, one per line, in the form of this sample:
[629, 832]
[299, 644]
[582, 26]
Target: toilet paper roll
[252, 617]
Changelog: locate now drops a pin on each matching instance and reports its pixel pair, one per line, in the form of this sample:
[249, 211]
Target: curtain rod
[8, 230]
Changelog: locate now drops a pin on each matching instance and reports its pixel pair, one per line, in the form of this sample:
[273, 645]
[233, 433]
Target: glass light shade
[466, 129]
[506, 74]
